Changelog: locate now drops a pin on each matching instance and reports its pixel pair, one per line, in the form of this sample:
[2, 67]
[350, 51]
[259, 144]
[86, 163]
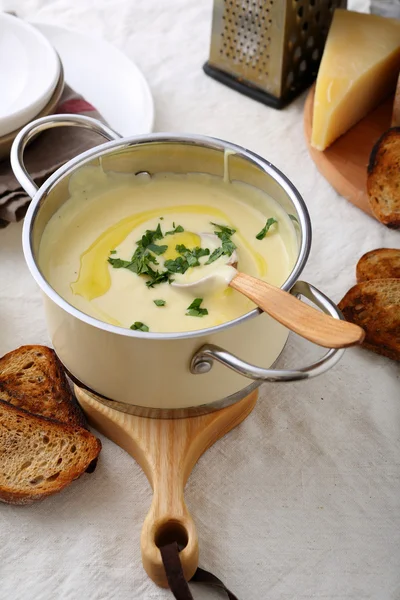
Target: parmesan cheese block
[359, 68]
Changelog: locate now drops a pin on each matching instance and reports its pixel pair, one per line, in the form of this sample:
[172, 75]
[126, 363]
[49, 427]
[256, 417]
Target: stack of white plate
[31, 78]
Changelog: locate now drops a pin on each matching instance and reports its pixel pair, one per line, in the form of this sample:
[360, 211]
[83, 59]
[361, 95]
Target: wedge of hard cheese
[359, 68]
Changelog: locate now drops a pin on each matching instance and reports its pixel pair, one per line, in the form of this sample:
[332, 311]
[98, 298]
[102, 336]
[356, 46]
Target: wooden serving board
[344, 163]
[167, 450]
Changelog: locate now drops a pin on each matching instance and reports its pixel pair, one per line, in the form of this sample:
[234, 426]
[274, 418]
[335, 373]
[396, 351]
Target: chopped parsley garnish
[179, 265]
[194, 309]
[159, 302]
[157, 277]
[216, 254]
[118, 263]
[293, 218]
[113, 252]
[192, 256]
[143, 256]
[157, 249]
[138, 326]
[178, 229]
[271, 221]
[227, 247]
[224, 230]
[188, 258]
[151, 235]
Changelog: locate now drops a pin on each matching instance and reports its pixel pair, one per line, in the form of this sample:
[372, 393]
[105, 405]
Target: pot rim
[197, 140]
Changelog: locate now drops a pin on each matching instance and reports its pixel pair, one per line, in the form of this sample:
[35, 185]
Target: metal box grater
[269, 50]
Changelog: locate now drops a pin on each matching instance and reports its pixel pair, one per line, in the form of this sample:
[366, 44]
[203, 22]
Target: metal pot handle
[32, 129]
[202, 361]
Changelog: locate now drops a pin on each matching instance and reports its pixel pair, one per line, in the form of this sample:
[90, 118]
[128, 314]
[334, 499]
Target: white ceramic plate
[29, 71]
[105, 77]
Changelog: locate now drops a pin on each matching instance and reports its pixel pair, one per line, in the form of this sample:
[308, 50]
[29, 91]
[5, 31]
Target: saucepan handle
[203, 360]
[32, 129]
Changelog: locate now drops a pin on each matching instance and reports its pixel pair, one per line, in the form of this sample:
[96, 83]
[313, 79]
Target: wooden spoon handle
[310, 323]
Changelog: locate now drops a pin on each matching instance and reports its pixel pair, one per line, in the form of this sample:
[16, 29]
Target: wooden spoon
[309, 322]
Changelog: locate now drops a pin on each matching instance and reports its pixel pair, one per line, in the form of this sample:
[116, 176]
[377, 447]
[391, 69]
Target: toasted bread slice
[383, 180]
[375, 306]
[39, 456]
[383, 263]
[32, 378]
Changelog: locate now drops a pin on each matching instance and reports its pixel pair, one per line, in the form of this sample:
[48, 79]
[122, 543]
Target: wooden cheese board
[344, 163]
[167, 450]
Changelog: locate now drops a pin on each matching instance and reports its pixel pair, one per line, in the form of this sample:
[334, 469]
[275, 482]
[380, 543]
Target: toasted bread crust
[40, 456]
[375, 306]
[383, 178]
[383, 263]
[33, 378]
[393, 355]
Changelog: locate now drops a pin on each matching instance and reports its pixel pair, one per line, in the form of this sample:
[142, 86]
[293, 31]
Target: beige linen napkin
[46, 154]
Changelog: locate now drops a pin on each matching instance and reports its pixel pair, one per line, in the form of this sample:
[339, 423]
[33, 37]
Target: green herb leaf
[157, 249]
[150, 236]
[118, 263]
[113, 252]
[157, 277]
[139, 326]
[227, 246]
[179, 265]
[178, 229]
[194, 309]
[145, 256]
[197, 252]
[192, 256]
[161, 218]
[196, 303]
[141, 261]
[224, 229]
[159, 302]
[216, 254]
[293, 218]
[266, 228]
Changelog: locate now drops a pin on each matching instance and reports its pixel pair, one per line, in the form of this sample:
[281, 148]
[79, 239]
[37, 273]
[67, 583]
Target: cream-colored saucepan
[205, 369]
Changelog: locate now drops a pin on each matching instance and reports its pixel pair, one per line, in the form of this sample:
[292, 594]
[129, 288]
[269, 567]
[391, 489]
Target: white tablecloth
[303, 499]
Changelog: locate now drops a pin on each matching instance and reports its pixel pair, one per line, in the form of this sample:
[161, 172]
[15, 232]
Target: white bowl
[29, 72]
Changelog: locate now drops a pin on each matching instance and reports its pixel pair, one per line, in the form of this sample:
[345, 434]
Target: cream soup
[115, 226]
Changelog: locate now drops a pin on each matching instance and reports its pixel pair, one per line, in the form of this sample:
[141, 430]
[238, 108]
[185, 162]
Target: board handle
[167, 450]
[167, 521]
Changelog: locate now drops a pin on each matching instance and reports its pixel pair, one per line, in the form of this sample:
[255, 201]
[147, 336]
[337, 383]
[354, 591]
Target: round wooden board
[344, 163]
